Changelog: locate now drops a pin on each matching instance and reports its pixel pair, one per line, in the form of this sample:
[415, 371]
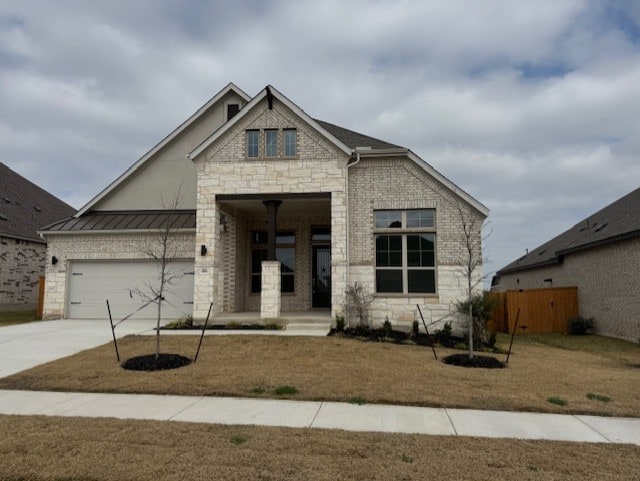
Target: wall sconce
[223, 223]
[203, 250]
[54, 260]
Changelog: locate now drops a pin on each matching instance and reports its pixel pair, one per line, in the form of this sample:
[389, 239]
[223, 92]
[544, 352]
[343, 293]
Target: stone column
[208, 279]
[270, 294]
[339, 232]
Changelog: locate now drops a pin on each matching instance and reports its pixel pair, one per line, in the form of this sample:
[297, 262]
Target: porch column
[270, 295]
[272, 212]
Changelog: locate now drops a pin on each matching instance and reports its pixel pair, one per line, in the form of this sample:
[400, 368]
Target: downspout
[346, 188]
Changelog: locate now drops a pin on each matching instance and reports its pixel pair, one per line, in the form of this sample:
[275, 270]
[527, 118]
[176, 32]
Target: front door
[321, 281]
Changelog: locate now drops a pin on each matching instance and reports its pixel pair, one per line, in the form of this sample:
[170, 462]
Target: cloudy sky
[532, 107]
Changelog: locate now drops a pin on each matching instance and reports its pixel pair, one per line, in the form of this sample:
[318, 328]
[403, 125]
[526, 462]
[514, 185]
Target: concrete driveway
[24, 346]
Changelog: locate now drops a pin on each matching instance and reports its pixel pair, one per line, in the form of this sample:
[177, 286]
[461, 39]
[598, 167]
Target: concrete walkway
[27, 345]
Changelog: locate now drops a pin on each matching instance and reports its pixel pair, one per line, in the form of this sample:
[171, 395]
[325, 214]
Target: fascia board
[163, 143]
[255, 101]
[483, 209]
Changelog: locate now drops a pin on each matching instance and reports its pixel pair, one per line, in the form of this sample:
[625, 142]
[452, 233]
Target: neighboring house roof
[126, 221]
[25, 208]
[618, 221]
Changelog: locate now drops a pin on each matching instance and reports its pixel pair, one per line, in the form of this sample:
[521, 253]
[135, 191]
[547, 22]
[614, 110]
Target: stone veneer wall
[97, 246]
[398, 183]
[608, 281]
[225, 169]
[21, 265]
[270, 301]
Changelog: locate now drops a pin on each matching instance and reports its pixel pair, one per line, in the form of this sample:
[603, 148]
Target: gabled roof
[269, 91]
[618, 221]
[231, 87]
[25, 208]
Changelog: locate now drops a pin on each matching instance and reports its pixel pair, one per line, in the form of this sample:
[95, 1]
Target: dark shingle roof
[354, 139]
[617, 221]
[126, 220]
[25, 208]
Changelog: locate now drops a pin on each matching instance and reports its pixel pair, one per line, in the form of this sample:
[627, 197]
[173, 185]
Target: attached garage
[92, 283]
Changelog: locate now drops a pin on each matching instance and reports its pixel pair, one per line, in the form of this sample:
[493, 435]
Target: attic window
[232, 110]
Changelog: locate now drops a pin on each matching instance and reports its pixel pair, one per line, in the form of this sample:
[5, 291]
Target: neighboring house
[601, 256]
[24, 208]
[344, 208]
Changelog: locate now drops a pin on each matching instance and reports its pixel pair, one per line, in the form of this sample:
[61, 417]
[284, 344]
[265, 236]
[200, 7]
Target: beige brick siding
[398, 183]
[270, 300]
[96, 247]
[608, 281]
[21, 265]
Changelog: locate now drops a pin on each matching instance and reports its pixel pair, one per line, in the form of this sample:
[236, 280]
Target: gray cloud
[532, 107]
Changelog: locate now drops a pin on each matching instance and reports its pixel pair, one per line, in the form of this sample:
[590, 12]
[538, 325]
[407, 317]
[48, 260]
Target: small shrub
[233, 325]
[272, 326]
[340, 323]
[359, 400]
[237, 440]
[406, 459]
[557, 401]
[286, 390]
[258, 390]
[598, 397]
[579, 326]
[386, 327]
[357, 304]
[445, 335]
[182, 323]
[491, 342]
[415, 328]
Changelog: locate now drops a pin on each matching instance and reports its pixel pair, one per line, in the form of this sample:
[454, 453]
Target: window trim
[404, 232]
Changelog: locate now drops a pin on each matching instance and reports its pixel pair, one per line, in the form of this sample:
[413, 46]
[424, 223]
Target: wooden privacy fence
[541, 310]
[40, 297]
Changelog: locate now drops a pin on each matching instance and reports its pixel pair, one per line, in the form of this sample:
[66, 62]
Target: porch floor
[314, 316]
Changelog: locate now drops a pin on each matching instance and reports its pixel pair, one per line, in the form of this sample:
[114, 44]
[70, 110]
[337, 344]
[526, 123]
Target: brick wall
[21, 265]
[398, 183]
[608, 281]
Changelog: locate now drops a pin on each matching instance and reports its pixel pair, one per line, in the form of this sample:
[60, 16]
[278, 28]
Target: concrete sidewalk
[325, 415]
[26, 345]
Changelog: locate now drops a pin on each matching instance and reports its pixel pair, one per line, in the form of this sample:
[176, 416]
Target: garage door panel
[122, 283]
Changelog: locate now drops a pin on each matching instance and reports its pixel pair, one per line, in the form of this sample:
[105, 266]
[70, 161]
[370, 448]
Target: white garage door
[91, 283]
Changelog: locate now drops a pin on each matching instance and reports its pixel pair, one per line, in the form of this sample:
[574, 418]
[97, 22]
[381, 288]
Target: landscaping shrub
[386, 327]
[357, 304]
[579, 326]
[482, 310]
[340, 323]
[415, 328]
[445, 335]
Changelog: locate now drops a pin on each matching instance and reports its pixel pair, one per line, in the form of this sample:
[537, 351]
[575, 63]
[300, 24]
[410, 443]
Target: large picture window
[285, 253]
[405, 242]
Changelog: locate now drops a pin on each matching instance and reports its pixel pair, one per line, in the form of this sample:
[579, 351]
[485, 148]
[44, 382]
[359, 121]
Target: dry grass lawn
[50, 448]
[338, 369]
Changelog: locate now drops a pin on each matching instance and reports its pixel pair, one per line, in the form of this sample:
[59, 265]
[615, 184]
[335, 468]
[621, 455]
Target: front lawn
[601, 379]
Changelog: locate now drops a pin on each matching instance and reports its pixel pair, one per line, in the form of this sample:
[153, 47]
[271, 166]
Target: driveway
[24, 346]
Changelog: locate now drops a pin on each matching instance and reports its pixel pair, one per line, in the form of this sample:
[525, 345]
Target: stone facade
[270, 298]
[318, 167]
[608, 284]
[123, 246]
[21, 265]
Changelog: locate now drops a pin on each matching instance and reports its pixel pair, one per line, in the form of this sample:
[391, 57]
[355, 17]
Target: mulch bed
[382, 335]
[464, 360]
[150, 363]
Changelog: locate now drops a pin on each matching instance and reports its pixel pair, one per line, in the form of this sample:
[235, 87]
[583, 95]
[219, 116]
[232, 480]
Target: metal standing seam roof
[618, 221]
[129, 220]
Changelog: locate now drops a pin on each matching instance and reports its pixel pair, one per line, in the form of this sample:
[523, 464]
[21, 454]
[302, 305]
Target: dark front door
[321, 282]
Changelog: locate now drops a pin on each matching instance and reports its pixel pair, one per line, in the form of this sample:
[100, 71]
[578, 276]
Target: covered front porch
[274, 258]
